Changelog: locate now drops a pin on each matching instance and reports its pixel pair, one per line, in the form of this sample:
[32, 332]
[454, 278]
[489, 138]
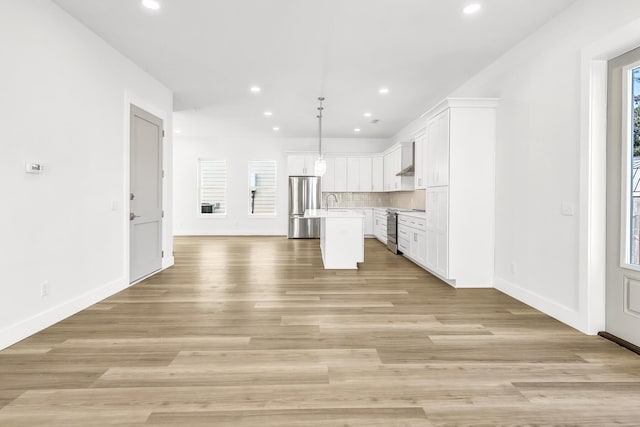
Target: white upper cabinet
[388, 180]
[328, 179]
[437, 152]
[366, 174]
[359, 174]
[377, 181]
[301, 164]
[397, 158]
[420, 161]
[335, 178]
[353, 174]
[340, 171]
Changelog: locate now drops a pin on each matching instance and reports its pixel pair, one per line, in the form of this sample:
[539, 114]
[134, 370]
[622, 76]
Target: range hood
[410, 170]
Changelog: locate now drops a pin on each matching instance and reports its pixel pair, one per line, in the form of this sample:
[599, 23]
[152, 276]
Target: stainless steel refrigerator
[304, 193]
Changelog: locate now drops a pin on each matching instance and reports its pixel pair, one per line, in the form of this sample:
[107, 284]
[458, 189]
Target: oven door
[392, 232]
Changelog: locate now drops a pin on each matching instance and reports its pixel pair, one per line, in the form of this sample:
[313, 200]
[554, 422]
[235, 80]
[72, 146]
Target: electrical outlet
[44, 289]
[567, 209]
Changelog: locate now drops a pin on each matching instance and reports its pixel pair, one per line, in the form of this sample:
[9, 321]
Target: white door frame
[165, 116]
[593, 169]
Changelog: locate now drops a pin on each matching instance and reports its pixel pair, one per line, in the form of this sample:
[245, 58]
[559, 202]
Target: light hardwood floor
[253, 332]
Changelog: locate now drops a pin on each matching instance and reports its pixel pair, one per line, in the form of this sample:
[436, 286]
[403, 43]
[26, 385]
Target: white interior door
[145, 206]
[623, 198]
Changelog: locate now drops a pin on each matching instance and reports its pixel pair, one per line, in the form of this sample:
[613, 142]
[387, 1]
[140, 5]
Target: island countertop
[332, 213]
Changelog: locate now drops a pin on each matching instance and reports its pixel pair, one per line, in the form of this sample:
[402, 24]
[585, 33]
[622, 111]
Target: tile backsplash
[403, 199]
[409, 199]
[357, 200]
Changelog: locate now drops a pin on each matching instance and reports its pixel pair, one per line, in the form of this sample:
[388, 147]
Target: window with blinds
[213, 186]
[262, 187]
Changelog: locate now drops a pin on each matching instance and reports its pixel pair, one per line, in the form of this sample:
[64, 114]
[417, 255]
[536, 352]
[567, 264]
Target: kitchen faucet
[326, 207]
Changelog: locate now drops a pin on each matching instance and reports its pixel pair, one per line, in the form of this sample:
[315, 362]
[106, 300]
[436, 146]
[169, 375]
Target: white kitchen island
[341, 238]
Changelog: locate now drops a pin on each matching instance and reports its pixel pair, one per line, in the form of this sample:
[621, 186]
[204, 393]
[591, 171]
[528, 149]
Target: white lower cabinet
[380, 225]
[412, 238]
[403, 239]
[418, 246]
[437, 227]
[368, 223]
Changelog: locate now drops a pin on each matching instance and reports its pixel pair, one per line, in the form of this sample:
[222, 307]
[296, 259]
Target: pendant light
[321, 164]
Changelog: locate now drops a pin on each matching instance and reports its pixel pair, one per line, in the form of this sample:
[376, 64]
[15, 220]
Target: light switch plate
[33, 168]
[567, 209]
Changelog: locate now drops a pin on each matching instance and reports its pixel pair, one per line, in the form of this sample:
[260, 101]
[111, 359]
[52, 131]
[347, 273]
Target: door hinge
[162, 214]
[163, 133]
[163, 173]
[162, 254]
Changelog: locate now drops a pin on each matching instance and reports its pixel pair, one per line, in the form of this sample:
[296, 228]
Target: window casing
[262, 188]
[212, 189]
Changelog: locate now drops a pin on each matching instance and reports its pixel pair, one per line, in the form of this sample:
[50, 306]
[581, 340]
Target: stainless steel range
[392, 229]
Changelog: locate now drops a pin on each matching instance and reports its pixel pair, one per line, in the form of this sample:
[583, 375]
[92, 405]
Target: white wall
[538, 155]
[63, 105]
[238, 152]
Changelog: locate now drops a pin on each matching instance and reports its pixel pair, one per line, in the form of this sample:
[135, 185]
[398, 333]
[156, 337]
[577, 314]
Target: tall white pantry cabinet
[460, 181]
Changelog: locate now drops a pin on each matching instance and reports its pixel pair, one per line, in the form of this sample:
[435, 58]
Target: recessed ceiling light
[268, 113]
[255, 89]
[356, 130]
[151, 4]
[471, 9]
[383, 90]
[367, 114]
[276, 128]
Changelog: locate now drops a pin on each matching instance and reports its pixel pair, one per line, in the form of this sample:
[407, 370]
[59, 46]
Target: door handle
[133, 216]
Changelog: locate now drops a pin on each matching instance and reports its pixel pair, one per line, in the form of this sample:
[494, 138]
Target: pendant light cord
[320, 108]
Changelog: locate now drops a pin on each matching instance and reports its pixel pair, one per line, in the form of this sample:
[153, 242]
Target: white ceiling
[209, 52]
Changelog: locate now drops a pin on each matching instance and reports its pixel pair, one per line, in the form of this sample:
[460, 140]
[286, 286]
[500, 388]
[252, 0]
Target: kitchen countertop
[359, 207]
[414, 214]
[332, 213]
[408, 212]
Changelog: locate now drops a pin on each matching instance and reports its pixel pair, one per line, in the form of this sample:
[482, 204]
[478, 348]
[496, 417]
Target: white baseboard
[168, 262]
[473, 286]
[453, 283]
[230, 233]
[560, 312]
[27, 327]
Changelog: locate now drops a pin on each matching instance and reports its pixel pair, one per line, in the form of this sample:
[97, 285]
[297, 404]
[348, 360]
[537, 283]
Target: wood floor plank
[287, 357]
[225, 338]
[198, 376]
[383, 417]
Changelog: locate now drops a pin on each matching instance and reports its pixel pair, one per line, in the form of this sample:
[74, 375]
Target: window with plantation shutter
[213, 186]
[262, 187]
